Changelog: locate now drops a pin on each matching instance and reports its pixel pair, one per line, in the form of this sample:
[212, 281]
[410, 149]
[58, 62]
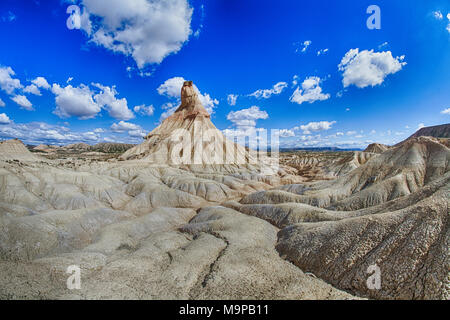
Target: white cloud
[4, 119]
[117, 108]
[2, 104]
[310, 92]
[446, 111]
[315, 126]
[32, 88]
[304, 45]
[144, 110]
[420, 126]
[132, 129]
[384, 44]
[368, 68]
[85, 102]
[7, 82]
[351, 133]
[438, 15]
[246, 118]
[231, 99]
[285, 133]
[448, 25]
[75, 101]
[23, 102]
[172, 89]
[41, 82]
[347, 109]
[170, 109]
[322, 51]
[295, 80]
[123, 126]
[267, 93]
[41, 132]
[339, 133]
[146, 30]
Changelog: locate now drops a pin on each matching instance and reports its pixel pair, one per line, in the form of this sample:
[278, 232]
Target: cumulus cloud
[315, 126]
[267, 93]
[86, 102]
[4, 119]
[75, 102]
[41, 82]
[23, 102]
[368, 68]
[310, 92]
[247, 117]
[117, 108]
[132, 129]
[148, 31]
[231, 99]
[169, 108]
[285, 133]
[144, 110]
[33, 89]
[2, 104]
[172, 89]
[420, 126]
[123, 126]
[41, 132]
[446, 111]
[7, 82]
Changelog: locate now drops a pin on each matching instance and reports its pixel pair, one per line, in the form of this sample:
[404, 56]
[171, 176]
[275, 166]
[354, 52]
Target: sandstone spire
[191, 105]
[190, 122]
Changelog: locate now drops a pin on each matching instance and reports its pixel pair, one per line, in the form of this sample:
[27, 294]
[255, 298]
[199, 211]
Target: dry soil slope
[393, 211]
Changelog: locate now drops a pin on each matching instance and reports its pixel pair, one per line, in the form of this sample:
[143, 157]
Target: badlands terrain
[143, 226]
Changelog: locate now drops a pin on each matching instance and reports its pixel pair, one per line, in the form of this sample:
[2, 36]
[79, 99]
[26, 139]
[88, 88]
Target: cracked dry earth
[145, 231]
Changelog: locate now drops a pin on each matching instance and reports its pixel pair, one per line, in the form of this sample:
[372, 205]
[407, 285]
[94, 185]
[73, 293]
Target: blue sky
[116, 75]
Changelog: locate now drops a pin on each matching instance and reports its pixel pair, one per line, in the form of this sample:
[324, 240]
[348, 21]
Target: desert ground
[141, 227]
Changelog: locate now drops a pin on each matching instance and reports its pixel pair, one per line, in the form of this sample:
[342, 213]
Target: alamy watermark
[374, 20]
[74, 281]
[74, 19]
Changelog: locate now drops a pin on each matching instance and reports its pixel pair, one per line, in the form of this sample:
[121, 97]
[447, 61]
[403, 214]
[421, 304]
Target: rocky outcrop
[376, 148]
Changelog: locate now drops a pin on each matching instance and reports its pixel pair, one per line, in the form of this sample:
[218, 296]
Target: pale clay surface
[144, 228]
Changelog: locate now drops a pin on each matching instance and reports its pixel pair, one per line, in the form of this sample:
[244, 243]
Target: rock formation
[188, 137]
[147, 227]
[376, 148]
